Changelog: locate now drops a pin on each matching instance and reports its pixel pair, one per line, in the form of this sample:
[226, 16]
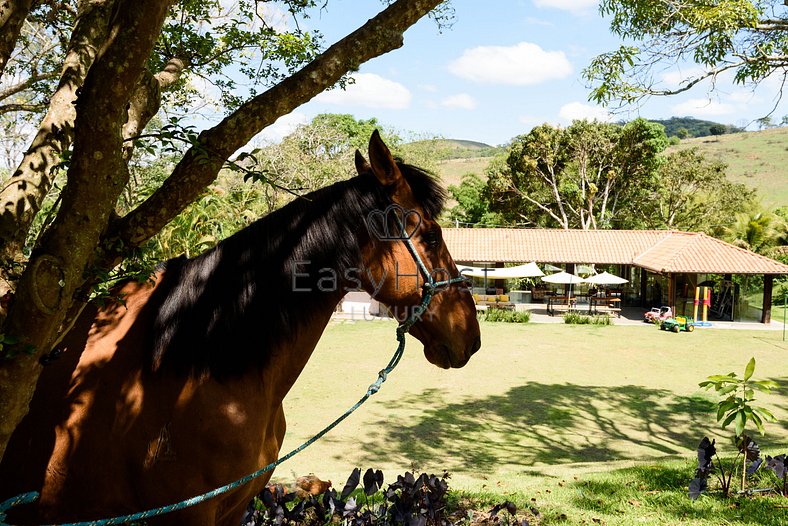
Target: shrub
[409, 501]
[582, 319]
[509, 316]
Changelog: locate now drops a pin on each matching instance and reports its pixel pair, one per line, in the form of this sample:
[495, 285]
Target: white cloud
[524, 64]
[743, 96]
[430, 88]
[702, 108]
[568, 5]
[283, 126]
[371, 91]
[461, 100]
[578, 111]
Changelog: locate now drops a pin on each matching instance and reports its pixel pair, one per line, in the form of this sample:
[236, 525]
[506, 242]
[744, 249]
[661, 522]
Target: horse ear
[383, 165]
[362, 166]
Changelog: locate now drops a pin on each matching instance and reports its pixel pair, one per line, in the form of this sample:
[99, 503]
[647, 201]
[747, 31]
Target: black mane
[225, 309]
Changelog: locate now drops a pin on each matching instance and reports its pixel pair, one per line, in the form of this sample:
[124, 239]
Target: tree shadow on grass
[541, 424]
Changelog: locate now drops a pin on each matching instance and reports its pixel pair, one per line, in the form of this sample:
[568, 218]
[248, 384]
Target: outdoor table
[554, 301]
[608, 303]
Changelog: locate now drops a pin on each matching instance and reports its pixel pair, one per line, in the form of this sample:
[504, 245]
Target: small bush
[581, 319]
[508, 316]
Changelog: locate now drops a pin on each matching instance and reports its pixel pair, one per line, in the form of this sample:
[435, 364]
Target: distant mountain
[685, 127]
[462, 149]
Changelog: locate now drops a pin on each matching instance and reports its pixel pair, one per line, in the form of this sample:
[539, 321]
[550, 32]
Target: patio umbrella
[606, 278]
[530, 270]
[564, 278]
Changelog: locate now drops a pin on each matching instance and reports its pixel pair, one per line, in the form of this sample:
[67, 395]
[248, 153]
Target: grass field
[757, 159]
[540, 406]
[452, 170]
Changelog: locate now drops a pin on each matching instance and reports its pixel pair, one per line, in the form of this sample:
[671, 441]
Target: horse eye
[432, 238]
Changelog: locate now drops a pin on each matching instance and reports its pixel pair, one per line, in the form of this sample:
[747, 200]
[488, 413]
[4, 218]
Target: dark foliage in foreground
[409, 501]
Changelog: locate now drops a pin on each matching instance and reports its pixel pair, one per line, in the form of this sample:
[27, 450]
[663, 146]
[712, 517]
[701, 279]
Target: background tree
[120, 57]
[745, 37]
[473, 203]
[693, 193]
[589, 175]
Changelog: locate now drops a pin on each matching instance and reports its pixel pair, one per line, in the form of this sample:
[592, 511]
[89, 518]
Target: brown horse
[178, 388]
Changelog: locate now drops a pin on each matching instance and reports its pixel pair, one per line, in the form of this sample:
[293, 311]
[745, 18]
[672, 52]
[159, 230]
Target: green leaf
[765, 414]
[741, 420]
[727, 389]
[729, 419]
[750, 369]
[758, 422]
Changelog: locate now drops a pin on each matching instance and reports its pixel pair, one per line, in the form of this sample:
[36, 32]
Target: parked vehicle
[679, 323]
[657, 313]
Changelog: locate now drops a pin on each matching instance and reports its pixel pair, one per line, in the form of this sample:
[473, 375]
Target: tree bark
[21, 196]
[96, 177]
[12, 16]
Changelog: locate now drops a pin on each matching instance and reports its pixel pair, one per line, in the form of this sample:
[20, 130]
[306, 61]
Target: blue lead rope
[430, 288]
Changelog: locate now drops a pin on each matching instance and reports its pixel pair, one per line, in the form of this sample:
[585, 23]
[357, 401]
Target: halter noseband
[430, 286]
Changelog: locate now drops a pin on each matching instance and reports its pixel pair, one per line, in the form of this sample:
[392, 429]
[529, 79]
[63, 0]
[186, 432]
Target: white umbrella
[530, 270]
[564, 278]
[606, 278]
[552, 268]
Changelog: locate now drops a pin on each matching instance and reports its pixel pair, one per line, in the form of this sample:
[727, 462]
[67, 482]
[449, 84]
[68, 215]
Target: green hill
[694, 127]
[461, 149]
[757, 159]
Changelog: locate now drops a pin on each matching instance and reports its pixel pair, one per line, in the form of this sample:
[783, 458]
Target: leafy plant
[581, 319]
[739, 393]
[779, 465]
[508, 316]
[749, 456]
[410, 501]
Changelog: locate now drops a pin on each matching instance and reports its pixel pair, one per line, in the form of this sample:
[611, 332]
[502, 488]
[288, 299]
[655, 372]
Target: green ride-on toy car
[679, 323]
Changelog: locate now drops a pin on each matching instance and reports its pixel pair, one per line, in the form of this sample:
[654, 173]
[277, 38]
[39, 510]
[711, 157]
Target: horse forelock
[228, 308]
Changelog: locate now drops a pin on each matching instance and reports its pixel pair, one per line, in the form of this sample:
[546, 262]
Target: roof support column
[643, 287]
[768, 287]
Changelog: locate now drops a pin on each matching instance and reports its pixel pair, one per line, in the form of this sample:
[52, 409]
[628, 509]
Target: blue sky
[504, 67]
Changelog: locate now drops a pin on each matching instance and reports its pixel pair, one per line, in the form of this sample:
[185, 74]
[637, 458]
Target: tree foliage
[692, 193]
[744, 37]
[595, 175]
[588, 175]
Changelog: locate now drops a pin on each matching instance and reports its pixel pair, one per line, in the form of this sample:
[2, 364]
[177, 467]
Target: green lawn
[538, 400]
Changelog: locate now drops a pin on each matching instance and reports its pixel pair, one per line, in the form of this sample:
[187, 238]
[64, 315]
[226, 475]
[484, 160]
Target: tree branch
[22, 194]
[11, 108]
[12, 16]
[21, 86]
[201, 164]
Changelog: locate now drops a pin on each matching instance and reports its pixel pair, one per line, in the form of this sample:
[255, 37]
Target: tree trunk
[95, 179]
[21, 196]
[12, 16]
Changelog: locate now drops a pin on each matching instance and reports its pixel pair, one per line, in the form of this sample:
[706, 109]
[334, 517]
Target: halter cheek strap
[430, 287]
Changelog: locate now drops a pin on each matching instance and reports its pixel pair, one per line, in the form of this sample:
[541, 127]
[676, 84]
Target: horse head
[406, 248]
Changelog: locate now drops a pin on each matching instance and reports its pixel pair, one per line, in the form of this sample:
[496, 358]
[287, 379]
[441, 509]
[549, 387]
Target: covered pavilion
[645, 257]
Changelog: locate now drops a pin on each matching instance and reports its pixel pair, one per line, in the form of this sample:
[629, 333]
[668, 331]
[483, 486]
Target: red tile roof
[656, 250]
